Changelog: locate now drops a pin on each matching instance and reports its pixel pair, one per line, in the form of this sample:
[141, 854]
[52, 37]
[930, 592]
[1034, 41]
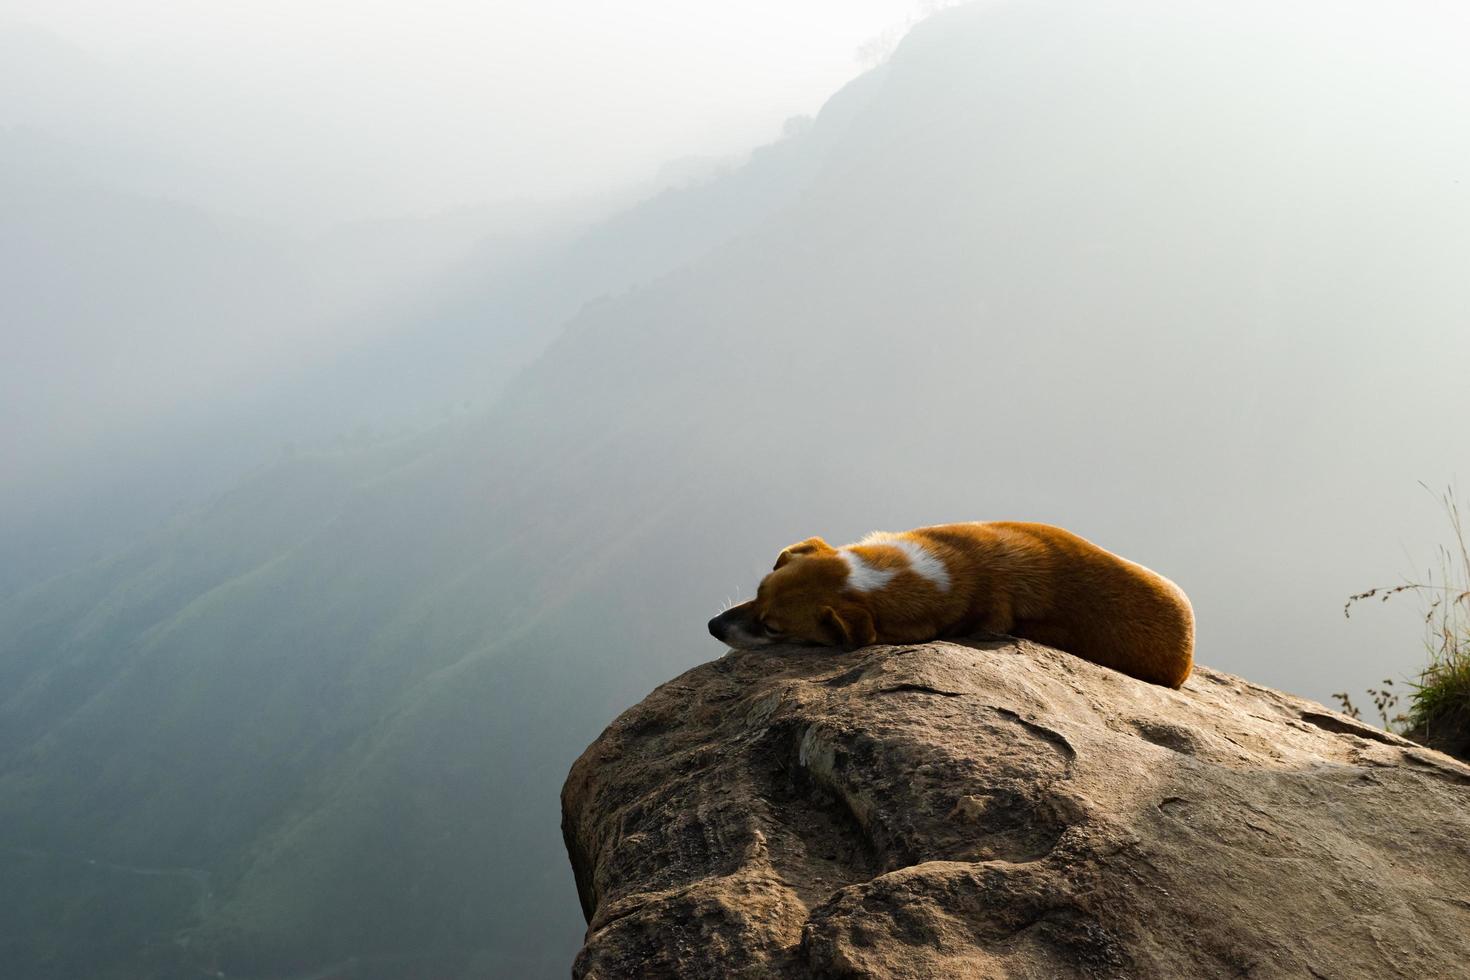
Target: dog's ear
[851, 628]
[808, 547]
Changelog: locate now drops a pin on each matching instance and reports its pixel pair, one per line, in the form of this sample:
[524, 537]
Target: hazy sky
[318, 109]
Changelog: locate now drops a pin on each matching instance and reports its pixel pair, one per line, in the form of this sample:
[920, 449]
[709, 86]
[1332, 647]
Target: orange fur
[1033, 581]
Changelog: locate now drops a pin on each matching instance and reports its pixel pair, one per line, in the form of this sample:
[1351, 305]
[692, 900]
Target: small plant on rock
[1439, 709]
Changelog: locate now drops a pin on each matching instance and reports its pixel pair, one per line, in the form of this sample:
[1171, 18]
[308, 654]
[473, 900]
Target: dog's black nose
[714, 628]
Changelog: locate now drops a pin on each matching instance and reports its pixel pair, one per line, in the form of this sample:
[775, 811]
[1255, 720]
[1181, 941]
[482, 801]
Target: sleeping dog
[1033, 581]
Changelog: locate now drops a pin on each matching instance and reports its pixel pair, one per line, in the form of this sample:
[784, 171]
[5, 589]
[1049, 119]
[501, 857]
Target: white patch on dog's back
[862, 576]
[922, 562]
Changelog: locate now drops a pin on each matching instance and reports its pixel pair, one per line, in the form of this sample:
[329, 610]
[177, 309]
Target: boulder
[1001, 809]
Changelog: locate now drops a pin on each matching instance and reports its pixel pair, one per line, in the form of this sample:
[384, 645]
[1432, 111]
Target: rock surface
[1005, 810]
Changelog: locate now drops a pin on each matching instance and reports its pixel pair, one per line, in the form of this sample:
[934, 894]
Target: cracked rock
[1005, 810]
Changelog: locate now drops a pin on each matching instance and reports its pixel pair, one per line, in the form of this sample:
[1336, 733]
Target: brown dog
[1029, 580]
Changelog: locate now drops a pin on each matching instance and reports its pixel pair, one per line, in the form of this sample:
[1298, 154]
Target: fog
[389, 399]
[200, 201]
[305, 113]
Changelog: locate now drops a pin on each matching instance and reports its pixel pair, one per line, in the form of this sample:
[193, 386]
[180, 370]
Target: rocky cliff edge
[1004, 810]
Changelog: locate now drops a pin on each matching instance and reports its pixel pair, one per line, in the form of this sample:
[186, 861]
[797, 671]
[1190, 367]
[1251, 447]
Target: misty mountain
[117, 308]
[158, 351]
[203, 354]
[158, 348]
[479, 324]
[1053, 262]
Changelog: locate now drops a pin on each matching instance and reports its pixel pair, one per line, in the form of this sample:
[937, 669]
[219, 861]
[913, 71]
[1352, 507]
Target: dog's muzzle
[732, 627]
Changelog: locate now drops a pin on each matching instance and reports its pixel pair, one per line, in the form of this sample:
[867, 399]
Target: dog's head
[803, 600]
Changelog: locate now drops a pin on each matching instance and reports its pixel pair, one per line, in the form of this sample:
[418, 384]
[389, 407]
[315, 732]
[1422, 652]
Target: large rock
[1005, 810]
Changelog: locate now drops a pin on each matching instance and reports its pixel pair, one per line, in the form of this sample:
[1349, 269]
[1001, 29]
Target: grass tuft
[1439, 703]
